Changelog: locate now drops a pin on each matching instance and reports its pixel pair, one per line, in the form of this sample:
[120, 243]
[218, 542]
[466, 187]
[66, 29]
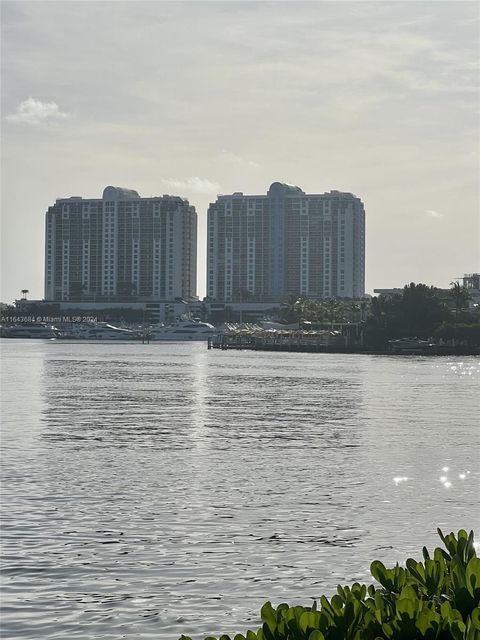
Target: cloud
[196, 184]
[34, 111]
[434, 214]
[228, 156]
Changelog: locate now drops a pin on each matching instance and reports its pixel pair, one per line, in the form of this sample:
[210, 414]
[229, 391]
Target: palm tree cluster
[419, 310]
[423, 312]
[328, 311]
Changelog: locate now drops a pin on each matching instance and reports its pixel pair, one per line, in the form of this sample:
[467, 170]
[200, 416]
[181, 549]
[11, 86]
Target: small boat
[182, 331]
[29, 330]
[410, 346]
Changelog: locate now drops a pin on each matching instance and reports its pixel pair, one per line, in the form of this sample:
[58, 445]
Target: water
[150, 490]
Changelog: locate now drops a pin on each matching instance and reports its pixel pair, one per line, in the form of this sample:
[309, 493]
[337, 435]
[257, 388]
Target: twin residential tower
[121, 246]
[285, 243]
[261, 248]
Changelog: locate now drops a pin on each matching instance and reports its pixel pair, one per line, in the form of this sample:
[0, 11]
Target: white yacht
[181, 331]
[101, 331]
[29, 330]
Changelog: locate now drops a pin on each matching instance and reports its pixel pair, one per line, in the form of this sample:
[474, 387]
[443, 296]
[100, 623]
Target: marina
[179, 331]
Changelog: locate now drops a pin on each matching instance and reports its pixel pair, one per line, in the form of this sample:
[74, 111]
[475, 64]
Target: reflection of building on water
[117, 397]
[188, 398]
[200, 400]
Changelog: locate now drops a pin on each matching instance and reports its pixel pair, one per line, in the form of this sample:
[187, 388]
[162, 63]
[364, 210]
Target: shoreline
[295, 345]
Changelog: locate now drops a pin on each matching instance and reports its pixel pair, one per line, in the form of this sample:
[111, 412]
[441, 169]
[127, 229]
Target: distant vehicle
[410, 346]
[181, 331]
[29, 330]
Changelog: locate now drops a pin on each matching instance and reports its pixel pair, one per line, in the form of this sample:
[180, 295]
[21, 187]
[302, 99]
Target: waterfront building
[120, 247]
[267, 247]
[471, 282]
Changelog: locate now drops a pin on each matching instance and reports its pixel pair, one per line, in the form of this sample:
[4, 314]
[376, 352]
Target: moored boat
[29, 330]
[410, 346]
[181, 331]
[100, 331]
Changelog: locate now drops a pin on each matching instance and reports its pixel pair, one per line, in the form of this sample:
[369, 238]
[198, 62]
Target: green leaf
[327, 607]
[382, 574]
[406, 608]
[475, 618]
[416, 569]
[371, 590]
[442, 537]
[428, 622]
[267, 614]
[309, 620]
[337, 603]
[472, 633]
[472, 577]
[457, 628]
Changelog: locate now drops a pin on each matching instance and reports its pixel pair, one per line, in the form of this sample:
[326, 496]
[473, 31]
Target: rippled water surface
[150, 490]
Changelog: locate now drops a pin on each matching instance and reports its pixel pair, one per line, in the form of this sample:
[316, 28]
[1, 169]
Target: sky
[199, 98]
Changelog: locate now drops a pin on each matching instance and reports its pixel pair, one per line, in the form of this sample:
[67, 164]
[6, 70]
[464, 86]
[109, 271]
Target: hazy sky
[199, 98]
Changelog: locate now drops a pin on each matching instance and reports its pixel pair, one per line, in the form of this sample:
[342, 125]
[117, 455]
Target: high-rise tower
[120, 247]
[266, 247]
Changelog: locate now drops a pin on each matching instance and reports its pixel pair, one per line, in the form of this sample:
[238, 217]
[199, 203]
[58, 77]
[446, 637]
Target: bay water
[154, 490]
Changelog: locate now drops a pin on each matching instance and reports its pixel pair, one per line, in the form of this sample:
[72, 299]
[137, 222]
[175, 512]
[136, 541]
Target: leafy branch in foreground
[434, 599]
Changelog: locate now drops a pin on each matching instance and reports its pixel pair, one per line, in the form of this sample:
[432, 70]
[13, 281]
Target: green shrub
[437, 598]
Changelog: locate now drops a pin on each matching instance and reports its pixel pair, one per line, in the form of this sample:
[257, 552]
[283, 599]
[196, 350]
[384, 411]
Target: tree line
[419, 310]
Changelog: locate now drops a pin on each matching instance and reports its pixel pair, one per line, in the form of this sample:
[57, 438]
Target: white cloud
[233, 158]
[196, 184]
[34, 111]
[434, 214]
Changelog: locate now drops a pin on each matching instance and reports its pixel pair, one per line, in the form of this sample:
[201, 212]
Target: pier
[321, 342]
[283, 341]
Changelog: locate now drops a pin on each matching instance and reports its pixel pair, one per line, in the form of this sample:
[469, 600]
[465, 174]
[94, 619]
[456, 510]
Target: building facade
[120, 246]
[287, 242]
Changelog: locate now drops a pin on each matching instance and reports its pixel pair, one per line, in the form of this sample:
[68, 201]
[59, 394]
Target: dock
[320, 342]
[279, 341]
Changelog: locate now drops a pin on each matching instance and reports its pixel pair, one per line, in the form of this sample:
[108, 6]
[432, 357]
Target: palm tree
[460, 297]
[352, 310]
[292, 308]
[24, 293]
[333, 311]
